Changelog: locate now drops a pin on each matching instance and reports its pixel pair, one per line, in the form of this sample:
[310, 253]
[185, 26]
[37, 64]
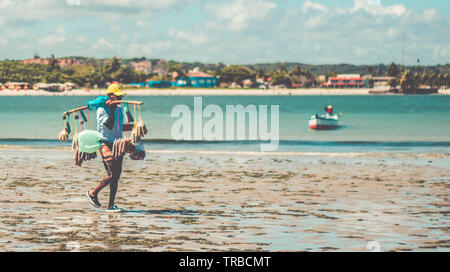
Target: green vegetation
[282, 79]
[393, 70]
[325, 69]
[236, 73]
[90, 72]
[178, 69]
[411, 81]
[87, 74]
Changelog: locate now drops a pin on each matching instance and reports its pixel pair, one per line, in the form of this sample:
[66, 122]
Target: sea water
[378, 123]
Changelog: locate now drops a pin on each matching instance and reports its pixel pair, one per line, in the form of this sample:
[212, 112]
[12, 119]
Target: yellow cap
[115, 89]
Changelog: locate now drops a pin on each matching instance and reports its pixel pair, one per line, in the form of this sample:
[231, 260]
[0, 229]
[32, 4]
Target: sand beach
[153, 92]
[201, 92]
[227, 201]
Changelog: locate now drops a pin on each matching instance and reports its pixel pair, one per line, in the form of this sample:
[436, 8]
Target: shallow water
[415, 124]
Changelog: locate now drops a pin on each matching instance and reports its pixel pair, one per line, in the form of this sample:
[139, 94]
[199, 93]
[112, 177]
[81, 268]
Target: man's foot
[114, 209]
[93, 200]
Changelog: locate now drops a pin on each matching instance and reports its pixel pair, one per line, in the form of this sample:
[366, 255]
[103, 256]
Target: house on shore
[197, 79]
[17, 85]
[381, 81]
[161, 67]
[202, 80]
[54, 87]
[347, 81]
[194, 79]
[159, 84]
[143, 66]
[63, 62]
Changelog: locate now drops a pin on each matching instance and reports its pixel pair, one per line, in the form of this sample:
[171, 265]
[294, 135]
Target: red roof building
[61, 62]
[198, 74]
[347, 81]
[144, 66]
[196, 78]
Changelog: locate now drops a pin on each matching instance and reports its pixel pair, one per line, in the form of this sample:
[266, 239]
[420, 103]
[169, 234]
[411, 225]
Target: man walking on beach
[110, 125]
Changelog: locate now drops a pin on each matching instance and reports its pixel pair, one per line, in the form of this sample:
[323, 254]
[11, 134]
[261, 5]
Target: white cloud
[60, 30]
[139, 49]
[428, 15]
[231, 31]
[378, 9]
[141, 23]
[5, 3]
[431, 14]
[367, 32]
[315, 21]
[393, 32]
[162, 45]
[193, 37]
[309, 6]
[441, 52]
[107, 10]
[18, 34]
[152, 4]
[103, 45]
[360, 51]
[81, 39]
[373, 7]
[237, 15]
[59, 36]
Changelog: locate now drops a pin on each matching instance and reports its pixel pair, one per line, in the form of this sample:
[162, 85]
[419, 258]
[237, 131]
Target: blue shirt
[99, 101]
[109, 135]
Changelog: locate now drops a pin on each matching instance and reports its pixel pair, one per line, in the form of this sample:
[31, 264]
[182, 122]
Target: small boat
[324, 122]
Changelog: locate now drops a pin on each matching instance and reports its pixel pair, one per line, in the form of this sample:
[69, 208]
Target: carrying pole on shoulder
[112, 102]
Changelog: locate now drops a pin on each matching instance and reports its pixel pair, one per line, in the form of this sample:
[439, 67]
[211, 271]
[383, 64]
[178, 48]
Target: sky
[230, 31]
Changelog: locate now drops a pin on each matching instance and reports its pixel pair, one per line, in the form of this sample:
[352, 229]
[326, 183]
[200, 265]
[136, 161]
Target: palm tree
[53, 63]
[440, 80]
[409, 81]
[425, 77]
[393, 83]
[393, 70]
[432, 79]
[297, 71]
[261, 73]
[282, 68]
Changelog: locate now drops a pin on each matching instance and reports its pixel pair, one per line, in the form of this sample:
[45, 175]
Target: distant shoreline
[205, 92]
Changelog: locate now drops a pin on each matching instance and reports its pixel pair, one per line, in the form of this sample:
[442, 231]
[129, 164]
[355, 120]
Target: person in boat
[110, 125]
[329, 112]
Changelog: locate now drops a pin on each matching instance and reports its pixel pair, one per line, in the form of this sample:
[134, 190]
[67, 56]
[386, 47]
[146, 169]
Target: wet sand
[200, 201]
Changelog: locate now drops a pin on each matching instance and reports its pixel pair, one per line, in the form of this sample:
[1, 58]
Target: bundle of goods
[86, 143]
